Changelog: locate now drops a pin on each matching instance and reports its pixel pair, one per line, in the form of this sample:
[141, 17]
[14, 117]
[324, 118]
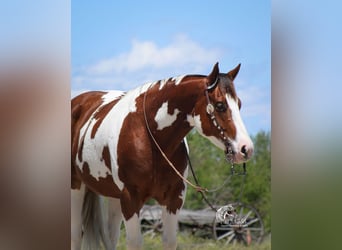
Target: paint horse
[123, 146]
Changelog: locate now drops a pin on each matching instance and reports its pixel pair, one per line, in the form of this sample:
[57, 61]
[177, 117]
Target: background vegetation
[186, 242]
[213, 171]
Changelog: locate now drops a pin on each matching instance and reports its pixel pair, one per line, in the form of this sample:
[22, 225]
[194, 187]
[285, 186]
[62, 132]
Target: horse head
[216, 116]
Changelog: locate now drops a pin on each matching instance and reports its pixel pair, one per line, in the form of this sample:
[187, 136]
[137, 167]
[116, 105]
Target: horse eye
[220, 107]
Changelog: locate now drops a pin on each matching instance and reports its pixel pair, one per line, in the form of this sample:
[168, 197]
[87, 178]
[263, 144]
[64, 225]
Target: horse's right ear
[212, 78]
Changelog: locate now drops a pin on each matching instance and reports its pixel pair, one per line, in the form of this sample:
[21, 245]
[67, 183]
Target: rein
[196, 187]
[244, 173]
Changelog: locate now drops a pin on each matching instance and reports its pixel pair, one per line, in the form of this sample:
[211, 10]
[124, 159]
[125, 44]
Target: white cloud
[146, 61]
[181, 51]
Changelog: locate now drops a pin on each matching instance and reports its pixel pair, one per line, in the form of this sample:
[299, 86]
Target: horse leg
[133, 233]
[77, 197]
[114, 219]
[170, 225]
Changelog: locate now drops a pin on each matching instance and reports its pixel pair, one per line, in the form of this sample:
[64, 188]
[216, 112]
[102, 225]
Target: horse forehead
[227, 87]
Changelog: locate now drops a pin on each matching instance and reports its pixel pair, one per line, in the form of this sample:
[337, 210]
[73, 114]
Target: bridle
[211, 112]
[229, 153]
[226, 141]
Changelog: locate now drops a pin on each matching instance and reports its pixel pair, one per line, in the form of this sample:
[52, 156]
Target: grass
[186, 241]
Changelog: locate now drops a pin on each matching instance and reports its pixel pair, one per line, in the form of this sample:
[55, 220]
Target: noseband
[210, 110]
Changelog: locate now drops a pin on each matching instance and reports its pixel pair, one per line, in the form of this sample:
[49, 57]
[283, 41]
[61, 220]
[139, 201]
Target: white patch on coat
[91, 154]
[111, 96]
[178, 79]
[93, 147]
[108, 133]
[185, 174]
[163, 82]
[195, 121]
[143, 88]
[163, 118]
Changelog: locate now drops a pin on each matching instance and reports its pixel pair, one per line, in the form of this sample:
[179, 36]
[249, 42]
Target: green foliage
[187, 241]
[212, 170]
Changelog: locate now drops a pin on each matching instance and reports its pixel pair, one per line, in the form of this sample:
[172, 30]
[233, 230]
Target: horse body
[113, 153]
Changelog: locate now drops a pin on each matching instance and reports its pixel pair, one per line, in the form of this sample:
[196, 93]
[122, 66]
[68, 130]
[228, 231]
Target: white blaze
[241, 131]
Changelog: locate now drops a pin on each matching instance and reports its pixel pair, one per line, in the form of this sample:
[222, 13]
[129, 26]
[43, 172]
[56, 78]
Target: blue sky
[121, 45]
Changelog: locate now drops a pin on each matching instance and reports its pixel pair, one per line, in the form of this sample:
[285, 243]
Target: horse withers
[128, 146]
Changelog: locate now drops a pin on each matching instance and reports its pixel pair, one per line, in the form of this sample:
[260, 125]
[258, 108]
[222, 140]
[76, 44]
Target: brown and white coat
[113, 154]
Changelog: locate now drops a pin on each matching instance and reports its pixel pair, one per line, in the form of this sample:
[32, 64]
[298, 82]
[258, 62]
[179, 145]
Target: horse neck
[169, 109]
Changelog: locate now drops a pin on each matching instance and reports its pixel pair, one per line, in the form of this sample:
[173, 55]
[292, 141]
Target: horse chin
[239, 159]
[230, 154]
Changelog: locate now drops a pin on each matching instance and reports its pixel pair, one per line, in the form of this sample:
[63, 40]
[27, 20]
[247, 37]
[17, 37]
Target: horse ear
[213, 77]
[233, 73]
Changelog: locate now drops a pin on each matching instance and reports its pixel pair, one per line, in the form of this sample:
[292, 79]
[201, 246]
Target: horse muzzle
[243, 154]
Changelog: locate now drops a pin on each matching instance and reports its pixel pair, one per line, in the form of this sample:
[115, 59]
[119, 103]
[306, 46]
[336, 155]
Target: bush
[212, 171]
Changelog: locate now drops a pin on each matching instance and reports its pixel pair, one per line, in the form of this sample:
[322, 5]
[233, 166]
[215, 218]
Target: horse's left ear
[233, 73]
[213, 77]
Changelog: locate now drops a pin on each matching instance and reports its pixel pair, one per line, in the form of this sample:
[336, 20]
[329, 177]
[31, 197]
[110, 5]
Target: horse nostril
[244, 151]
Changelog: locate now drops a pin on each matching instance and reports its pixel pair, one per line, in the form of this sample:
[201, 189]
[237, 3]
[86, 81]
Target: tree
[213, 172]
